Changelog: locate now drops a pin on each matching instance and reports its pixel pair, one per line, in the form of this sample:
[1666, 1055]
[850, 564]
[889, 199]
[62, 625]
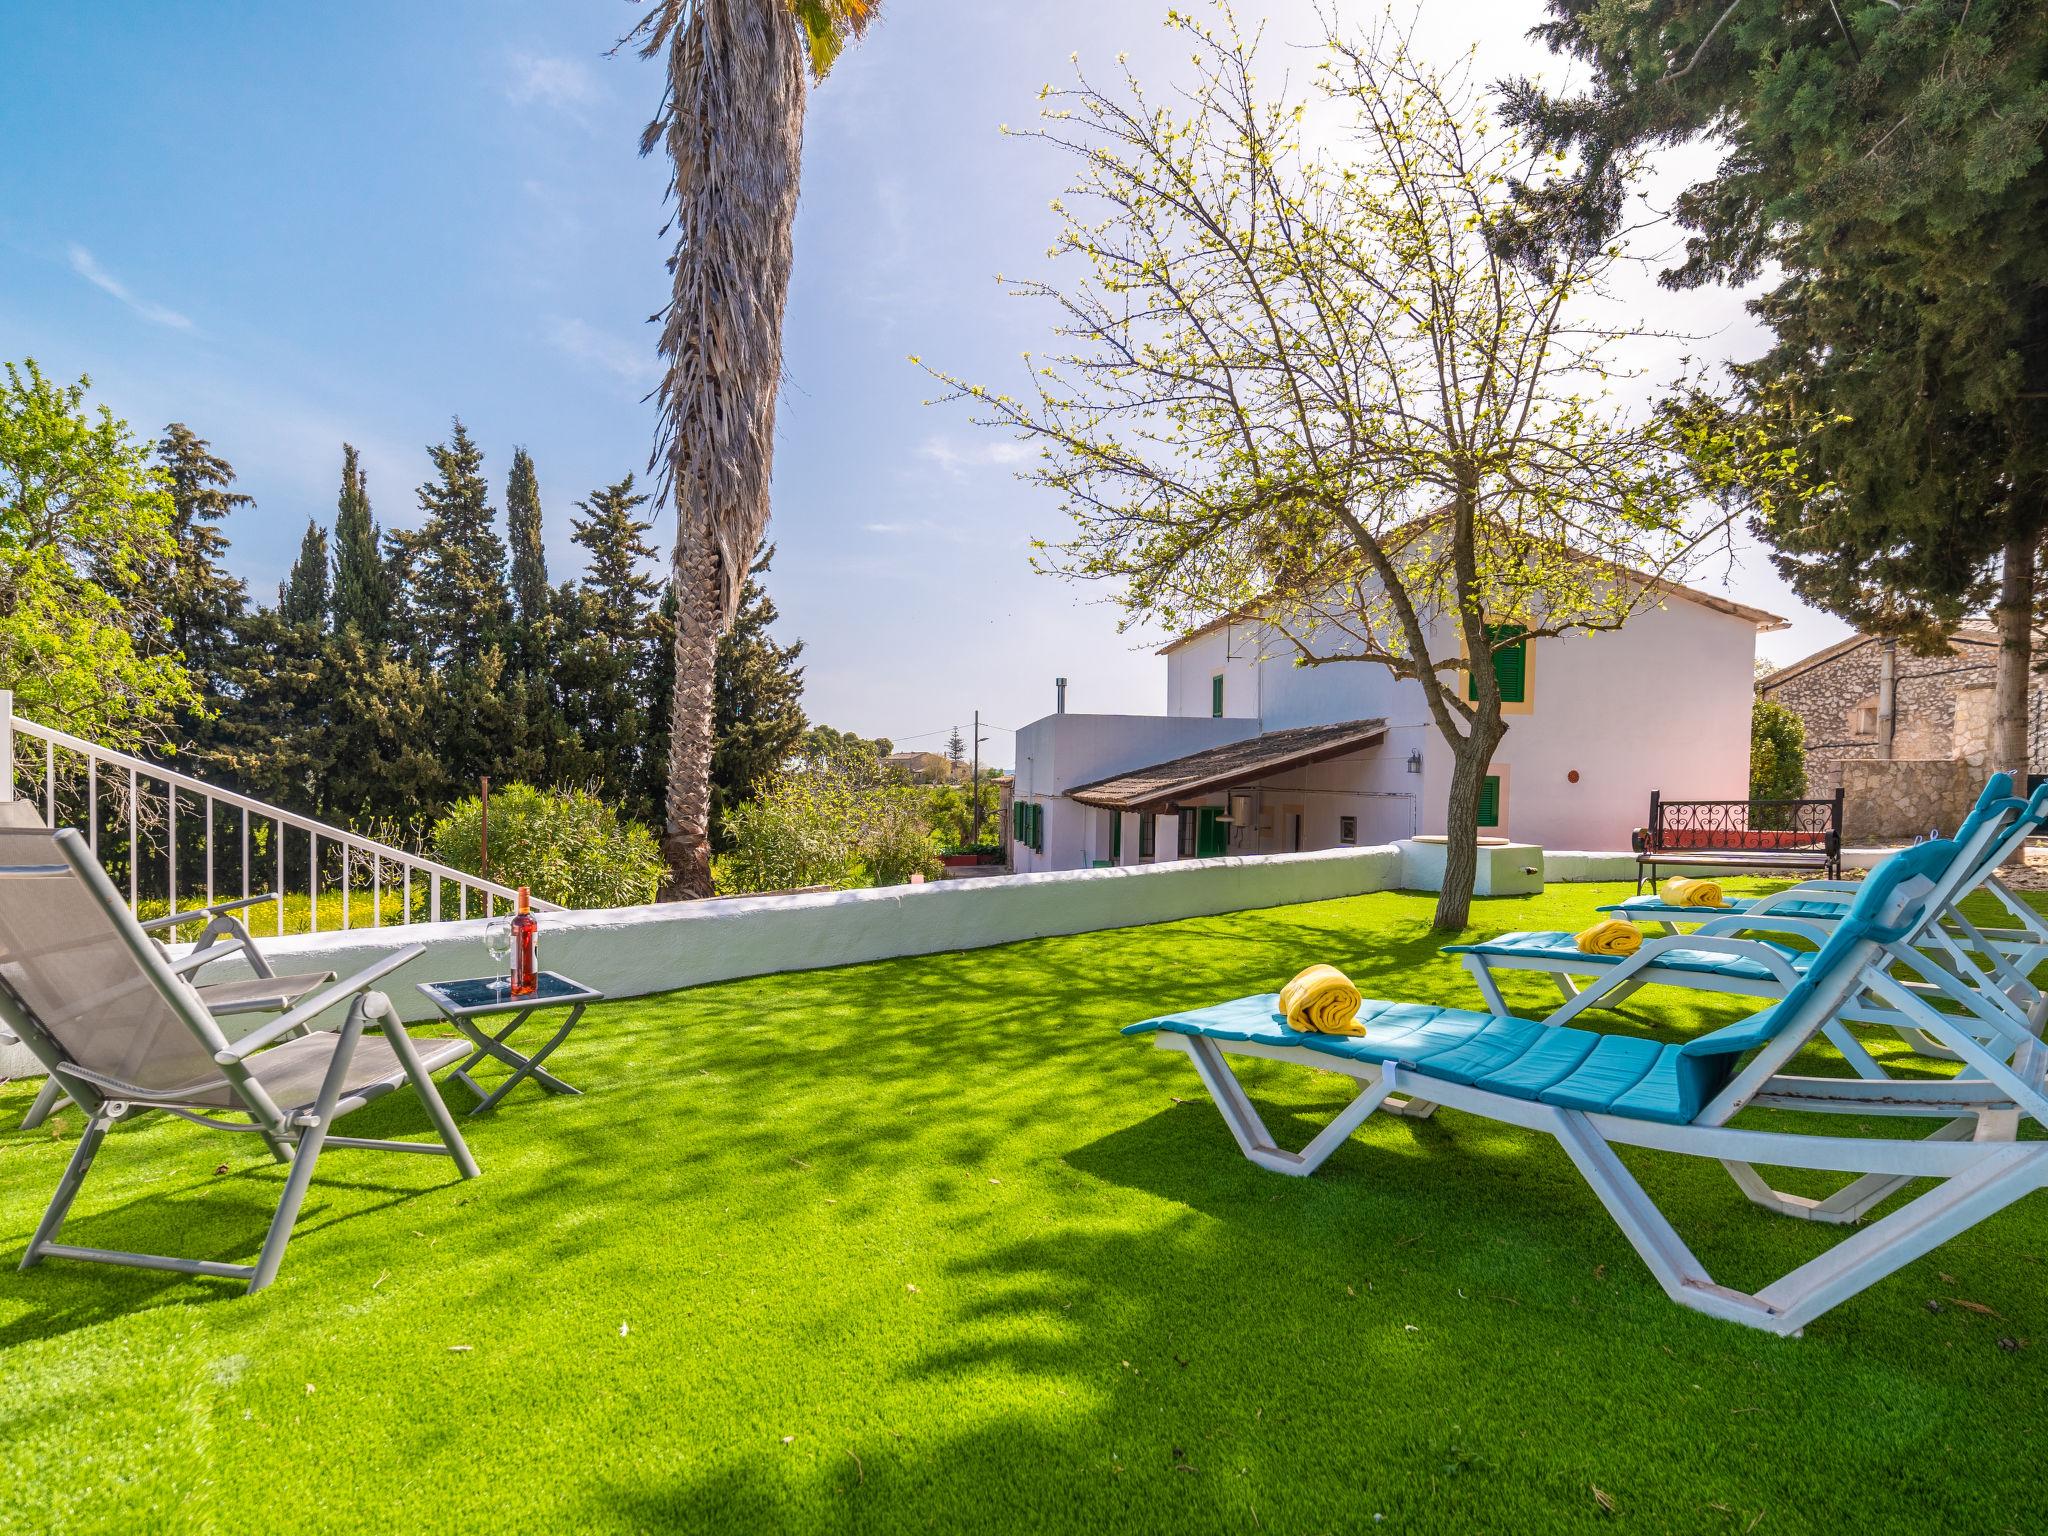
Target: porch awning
[1240, 762]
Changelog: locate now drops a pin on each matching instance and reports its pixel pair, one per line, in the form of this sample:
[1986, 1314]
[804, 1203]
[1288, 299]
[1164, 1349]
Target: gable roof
[1237, 762]
[1965, 635]
[1762, 619]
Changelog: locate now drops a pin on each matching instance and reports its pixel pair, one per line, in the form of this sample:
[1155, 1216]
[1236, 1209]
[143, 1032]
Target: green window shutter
[1489, 801]
[1212, 833]
[1148, 835]
[1116, 837]
[1216, 696]
[1037, 827]
[1510, 665]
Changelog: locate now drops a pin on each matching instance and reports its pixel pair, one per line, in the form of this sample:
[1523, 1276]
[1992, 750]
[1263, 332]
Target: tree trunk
[2012, 681]
[1470, 759]
[686, 832]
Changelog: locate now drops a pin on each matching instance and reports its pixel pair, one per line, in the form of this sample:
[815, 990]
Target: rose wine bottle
[525, 948]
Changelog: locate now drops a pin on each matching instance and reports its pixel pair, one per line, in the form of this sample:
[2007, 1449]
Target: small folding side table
[463, 1003]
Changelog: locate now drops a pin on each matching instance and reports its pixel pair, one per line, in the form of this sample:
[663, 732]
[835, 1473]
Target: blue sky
[293, 225]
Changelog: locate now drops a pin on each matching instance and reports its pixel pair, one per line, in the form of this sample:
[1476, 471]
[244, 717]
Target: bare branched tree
[1309, 385]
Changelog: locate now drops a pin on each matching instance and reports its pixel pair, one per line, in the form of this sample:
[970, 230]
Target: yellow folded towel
[1323, 1001]
[1611, 936]
[1679, 891]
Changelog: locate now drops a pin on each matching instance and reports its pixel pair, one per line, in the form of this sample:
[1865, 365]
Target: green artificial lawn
[924, 1245]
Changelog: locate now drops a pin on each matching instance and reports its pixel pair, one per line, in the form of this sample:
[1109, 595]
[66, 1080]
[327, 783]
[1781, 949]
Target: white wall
[634, 951]
[1662, 704]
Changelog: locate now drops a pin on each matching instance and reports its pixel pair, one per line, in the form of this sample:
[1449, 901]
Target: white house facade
[1257, 755]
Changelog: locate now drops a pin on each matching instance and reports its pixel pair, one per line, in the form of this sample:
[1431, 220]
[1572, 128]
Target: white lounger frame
[1974, 1152]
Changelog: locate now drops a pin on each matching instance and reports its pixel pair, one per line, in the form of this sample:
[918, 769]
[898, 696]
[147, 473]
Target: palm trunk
[2011, 682]
[686, 832]
[733, 123]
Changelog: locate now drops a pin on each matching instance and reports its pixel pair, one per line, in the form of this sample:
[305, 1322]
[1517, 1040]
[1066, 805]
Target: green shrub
[1777, 753]
[567, 845]
[823, 825]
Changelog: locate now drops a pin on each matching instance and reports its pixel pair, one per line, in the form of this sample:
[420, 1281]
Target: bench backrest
[1744, 826]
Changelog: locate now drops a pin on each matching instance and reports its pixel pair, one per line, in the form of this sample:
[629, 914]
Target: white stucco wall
[633, 951]
[1661, 704]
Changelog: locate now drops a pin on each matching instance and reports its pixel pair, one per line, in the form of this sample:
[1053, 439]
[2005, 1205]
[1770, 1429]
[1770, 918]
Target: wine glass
[498, 942]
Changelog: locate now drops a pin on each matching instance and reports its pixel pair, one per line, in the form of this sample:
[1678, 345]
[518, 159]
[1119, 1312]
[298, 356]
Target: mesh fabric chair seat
[123, 1032]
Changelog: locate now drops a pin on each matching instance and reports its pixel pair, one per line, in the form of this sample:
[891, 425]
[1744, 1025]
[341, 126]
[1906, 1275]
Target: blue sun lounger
[1731, 953]
[1594, 1093]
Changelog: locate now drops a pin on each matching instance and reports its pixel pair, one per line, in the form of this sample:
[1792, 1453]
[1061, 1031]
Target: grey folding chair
[123, 1033]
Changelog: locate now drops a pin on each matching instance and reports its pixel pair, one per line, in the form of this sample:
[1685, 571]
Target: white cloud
[564, 84]
[630, 362]
[85, 266]
[957, 458]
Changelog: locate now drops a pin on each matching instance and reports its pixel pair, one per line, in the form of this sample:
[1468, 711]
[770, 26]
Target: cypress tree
[362, 584]
[604, 669]
[302, 600]
[464, 606]
[531, 595]
[197, 598]
[758, 719]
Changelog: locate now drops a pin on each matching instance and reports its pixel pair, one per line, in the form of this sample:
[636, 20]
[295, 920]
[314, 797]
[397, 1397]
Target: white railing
[141, 791]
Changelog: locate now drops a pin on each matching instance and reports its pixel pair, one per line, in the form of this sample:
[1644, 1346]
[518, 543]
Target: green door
[1212, 832]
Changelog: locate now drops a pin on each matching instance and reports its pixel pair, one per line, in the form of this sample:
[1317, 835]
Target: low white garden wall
[632, 951]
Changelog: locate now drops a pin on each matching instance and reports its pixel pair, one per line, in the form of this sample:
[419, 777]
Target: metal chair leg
[67, 1187]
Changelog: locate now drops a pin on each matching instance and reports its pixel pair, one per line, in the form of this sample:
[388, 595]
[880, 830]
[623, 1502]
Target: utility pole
[974, 784]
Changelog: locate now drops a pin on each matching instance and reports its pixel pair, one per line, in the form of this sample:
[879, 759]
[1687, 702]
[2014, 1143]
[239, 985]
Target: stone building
[1906, 737]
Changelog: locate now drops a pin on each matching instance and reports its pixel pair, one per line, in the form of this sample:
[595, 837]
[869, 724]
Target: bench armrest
[319, 1003]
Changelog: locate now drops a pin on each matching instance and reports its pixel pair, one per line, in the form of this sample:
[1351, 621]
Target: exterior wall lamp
[1415, 761]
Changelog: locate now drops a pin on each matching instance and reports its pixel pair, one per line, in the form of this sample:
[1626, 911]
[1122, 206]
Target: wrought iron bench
[1764, 835]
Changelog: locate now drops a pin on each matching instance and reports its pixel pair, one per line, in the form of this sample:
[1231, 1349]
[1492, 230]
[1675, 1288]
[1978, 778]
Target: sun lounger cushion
[1572, 1068]
[1510, 946]
[1657, 907]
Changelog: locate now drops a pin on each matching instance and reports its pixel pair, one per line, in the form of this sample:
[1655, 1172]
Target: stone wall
[1941, 707]
[1896, 801]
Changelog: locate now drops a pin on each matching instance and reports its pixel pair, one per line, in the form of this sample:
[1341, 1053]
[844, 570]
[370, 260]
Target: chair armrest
[216, 910]
[319, 1003]
[1766, 922]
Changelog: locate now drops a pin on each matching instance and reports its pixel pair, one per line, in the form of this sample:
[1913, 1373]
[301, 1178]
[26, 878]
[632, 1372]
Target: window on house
[1489, 801]
[1216, 696]
[1116, 837]
[1863, 719]
[1186, 832]
[1148, 834]
[1510, 664]
[1037, 827]
[1347, 830]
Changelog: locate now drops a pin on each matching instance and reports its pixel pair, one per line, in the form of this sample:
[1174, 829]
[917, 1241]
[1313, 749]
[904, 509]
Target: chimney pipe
[1060, 684]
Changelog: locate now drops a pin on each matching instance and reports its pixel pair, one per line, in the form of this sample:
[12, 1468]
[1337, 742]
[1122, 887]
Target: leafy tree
[1777, 752]
[731, 118]
[84, 515]
[196, 596]
[532, 597]
[758, 695]
[362, 582]
[303, 600]
[1314, 386]
[464, 606]
[1885, 161]
[823, 744]
[797, 831]
[603, 669]
[567, 845]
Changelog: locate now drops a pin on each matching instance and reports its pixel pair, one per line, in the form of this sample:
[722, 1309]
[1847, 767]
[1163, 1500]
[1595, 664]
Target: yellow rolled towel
[1679, 891]
[1611, 936]
[1322, 1000]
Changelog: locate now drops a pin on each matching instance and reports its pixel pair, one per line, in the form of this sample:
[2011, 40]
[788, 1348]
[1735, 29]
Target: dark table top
[493, 994]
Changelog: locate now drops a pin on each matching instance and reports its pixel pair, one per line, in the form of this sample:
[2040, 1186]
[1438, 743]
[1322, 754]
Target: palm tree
[732, 117]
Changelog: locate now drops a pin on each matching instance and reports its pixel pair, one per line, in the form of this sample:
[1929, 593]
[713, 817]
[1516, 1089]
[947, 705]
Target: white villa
[1259, 756]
